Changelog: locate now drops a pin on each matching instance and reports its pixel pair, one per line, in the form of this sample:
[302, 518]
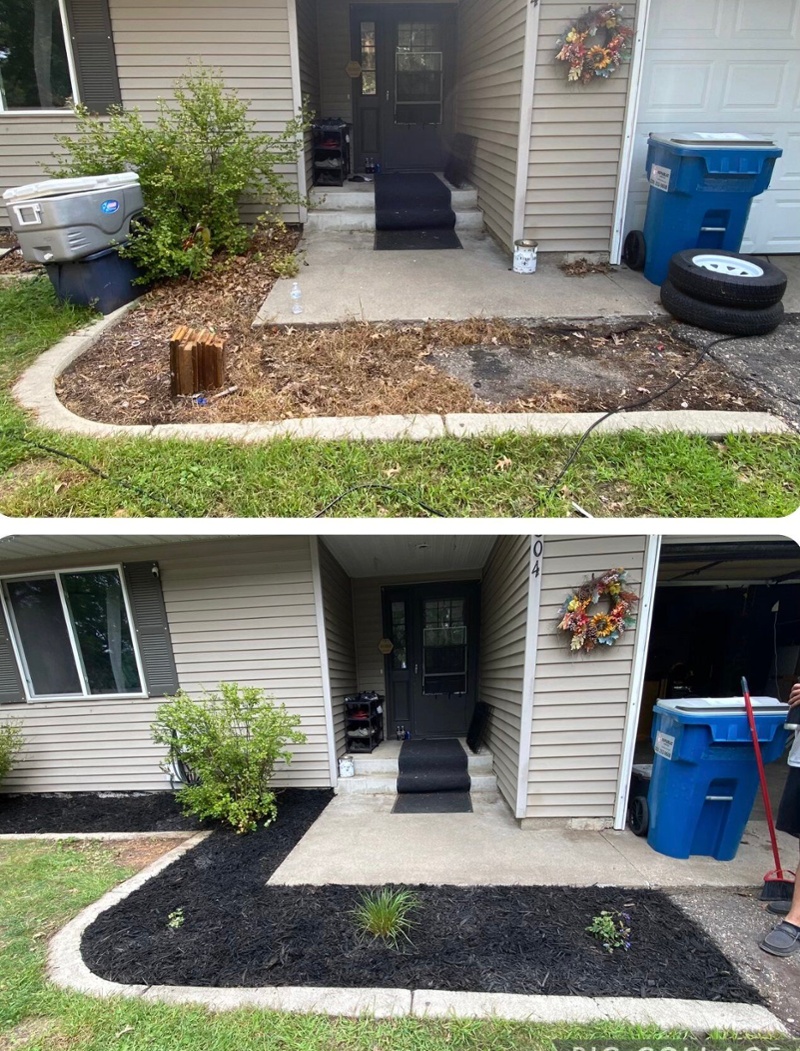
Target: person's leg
[784, 940]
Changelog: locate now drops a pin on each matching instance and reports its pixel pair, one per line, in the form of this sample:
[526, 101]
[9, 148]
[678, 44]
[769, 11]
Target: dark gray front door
[402, 101]
[432, 671]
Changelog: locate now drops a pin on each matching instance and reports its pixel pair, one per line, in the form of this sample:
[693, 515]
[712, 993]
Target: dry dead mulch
[583, 267]
[357, 369]
[12, 262]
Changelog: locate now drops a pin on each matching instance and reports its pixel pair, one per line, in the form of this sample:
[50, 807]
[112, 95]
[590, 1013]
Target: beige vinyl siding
[504, 617]
[337, 601]
[580, 700]
[154, 40]
[491, 42]
[238, 610]
[308, 45]
[576, 138]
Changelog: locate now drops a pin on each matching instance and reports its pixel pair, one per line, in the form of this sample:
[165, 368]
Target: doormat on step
[412, 212]
[433, 803]
[433, 766]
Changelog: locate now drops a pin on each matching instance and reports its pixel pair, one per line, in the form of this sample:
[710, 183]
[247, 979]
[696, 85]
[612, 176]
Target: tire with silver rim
[727, 278]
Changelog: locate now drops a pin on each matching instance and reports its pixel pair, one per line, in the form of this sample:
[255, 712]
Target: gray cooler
[61, 220]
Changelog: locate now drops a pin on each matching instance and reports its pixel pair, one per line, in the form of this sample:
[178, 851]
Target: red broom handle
[762, 776]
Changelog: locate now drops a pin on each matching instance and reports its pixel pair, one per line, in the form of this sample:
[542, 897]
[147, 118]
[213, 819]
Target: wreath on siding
[604, 628]
[596, 44]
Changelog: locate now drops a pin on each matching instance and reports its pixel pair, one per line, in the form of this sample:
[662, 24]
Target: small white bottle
[296, 297]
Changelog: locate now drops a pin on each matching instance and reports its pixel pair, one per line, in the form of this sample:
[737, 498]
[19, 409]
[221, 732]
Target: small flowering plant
[605, 627]
[596, 44]
[612, 929]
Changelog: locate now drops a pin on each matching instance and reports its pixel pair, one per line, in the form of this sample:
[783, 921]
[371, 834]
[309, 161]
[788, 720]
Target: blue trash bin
[701, 188]
[705, 776]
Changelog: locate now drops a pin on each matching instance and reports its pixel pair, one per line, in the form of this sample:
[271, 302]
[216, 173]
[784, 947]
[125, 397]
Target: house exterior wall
[309, 53]
[154, 40]
[580, 700]
[504, 617]
[491, 49]
[576, 139]
[239, 610]
[337, 600]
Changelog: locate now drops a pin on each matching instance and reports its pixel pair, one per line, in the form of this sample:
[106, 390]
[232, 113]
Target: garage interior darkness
[723, 610]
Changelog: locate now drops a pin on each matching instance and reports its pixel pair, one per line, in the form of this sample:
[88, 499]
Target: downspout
[297, 102]
[525, 119]
[529, 673]
[322, 638]
[641, 643]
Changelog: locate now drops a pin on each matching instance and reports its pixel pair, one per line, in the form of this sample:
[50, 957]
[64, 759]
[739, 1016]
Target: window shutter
[93, 51]
[11, 690]
[152, 629]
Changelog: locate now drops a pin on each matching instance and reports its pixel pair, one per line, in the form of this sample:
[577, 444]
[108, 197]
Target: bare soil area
[11, 262]
[355, 369]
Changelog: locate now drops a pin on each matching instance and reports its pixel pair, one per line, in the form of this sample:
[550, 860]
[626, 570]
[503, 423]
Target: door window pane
[444, 647]
[399, 637]
[42, 634]
[418, 73]
[34, 73]
[369, 80]
[100, 620]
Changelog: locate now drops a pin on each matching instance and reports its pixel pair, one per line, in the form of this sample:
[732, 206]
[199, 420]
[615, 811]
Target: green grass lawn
[44, 884]
[633, 474]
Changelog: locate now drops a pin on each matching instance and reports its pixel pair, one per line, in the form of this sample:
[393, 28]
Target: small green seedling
[176, 919]
[612, 929]
[384, 914]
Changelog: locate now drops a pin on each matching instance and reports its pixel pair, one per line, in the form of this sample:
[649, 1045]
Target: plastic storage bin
[61, 220]
[102, 280]
[704, 773]
[701, 188]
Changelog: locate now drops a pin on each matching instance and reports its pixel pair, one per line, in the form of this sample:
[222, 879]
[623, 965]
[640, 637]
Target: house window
[35, 65]
[73, 634]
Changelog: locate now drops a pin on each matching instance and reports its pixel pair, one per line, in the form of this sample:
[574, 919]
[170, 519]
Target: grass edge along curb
[66, 969]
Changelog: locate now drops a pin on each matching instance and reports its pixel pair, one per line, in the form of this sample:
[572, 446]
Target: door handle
[387, 94]
[416, 669]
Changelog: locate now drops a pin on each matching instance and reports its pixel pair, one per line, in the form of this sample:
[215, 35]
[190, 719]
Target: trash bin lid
[62, 187]
[715, 140]
[722, 705]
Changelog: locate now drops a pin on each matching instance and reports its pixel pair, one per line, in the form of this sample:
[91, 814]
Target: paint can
[525, 256]
[346, 766]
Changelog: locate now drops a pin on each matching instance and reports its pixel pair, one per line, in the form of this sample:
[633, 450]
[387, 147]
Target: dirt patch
[139, 853]
[237, 930]
[12, 262]
[582, 267]
[32, 1031]
[366, 369]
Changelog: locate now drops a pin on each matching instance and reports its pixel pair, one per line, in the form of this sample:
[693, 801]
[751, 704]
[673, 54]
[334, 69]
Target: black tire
[639, 816]
[730, 321]
[727, 290]
[634, 251]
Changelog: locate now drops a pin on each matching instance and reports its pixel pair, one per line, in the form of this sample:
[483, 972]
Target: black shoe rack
[363, 714]
[331, 152]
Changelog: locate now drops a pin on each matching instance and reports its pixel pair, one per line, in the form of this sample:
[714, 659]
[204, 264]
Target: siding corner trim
[327, 699]
[529, 675]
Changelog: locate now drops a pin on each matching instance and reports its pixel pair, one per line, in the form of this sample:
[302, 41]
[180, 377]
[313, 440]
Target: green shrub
[612, 929]
[231, 740]
[11, 742]
[196, 162]
[384, 914]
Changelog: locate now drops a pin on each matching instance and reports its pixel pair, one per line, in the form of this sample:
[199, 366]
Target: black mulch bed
[90, 812]
[238, 931]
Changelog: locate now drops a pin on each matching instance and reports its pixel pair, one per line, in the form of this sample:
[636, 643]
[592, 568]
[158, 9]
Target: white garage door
[726, 65]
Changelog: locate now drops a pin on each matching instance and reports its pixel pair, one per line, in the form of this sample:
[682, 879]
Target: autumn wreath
[604, 628]
[596, 44]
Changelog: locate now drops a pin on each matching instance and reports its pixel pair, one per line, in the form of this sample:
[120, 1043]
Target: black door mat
[239, 931]
[415, 240]
[433, 803]
[433, 765]
[416, 208]
[91, 812]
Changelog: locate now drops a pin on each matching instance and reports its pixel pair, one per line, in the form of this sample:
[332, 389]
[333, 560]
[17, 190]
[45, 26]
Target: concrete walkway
[357, 840]
[346, 280]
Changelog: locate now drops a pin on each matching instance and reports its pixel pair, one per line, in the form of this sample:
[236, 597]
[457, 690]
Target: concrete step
[384, 784]
[376, 764]
[356, 220]
[359, 200]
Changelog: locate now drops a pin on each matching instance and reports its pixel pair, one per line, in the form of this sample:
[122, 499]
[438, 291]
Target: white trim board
[527, 89]
[322, 638]
[641, 644]
[297, 101]
[529, 673]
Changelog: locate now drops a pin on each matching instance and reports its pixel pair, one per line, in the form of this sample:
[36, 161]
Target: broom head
[778, 886]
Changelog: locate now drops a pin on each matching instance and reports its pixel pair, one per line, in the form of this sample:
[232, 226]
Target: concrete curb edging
[66, 969]
[35, 390]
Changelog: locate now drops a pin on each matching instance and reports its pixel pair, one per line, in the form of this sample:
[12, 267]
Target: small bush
[384, 914]
[11, 742]
[231, 740]
[195, 164]
[611, 929]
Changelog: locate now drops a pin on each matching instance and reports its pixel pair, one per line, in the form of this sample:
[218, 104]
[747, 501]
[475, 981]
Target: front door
[402, 99]
[432, 670]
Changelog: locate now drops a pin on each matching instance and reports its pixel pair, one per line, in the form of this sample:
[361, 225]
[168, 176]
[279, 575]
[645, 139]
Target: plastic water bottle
[296, 296]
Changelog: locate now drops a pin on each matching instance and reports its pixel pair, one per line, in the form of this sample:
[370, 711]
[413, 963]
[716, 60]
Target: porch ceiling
[376, 556]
